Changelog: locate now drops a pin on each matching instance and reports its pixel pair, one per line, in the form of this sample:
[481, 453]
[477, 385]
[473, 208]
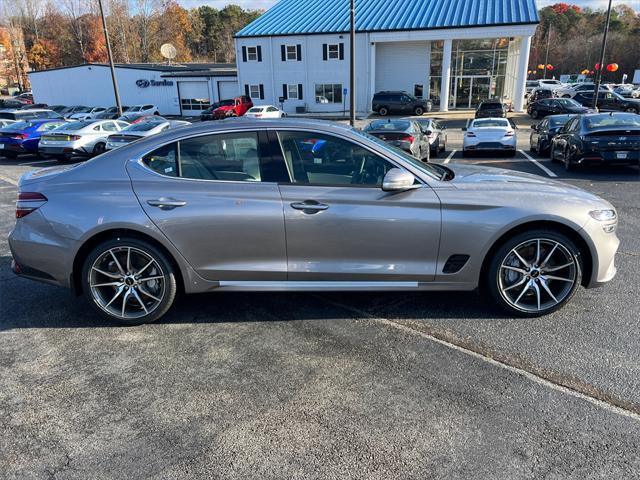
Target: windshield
[490, 122]
[256, 109]
[387, 125]
[135, 108]
[17, 126]
[226, 103]
[490, 106]
[568, 102]
[74, 126]
[427, 169]
[605, 120]
[558, 120]
[142, 127]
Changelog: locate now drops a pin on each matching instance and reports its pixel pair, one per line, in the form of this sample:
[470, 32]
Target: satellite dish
[168, 51]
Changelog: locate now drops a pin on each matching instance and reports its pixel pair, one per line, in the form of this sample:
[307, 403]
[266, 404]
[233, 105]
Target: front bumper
[604, 247]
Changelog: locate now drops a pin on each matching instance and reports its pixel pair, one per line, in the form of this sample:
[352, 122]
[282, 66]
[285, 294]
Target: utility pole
[596, 87]
[546, 56]
[113, 70]
[352, 67]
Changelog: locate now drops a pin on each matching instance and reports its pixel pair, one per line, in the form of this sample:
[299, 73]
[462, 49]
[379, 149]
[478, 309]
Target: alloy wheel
[127, 282]
[537, 275]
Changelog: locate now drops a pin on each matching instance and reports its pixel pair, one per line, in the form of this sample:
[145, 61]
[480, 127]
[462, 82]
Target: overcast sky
[264, 4]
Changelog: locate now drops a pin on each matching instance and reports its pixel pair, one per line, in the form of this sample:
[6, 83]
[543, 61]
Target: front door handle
[309, 206]
[166, 203]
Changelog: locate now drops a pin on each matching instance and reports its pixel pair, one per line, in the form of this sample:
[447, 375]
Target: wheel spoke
[537, 290]
[561, 279]
[548, 257]
[124, 301]
[546, 288]
[128, 259]
[135, 294]
[148, 279]
[537, 261]
[515, 269]
[524, 290]
[559, 267]
[515, 285]
[117, 262]
[106, 274]
[144, 292]
[120, 290]
[524, 262]
[108, 284]
[139, 272]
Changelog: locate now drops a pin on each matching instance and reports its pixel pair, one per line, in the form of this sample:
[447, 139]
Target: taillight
[19, 136]
[471, 134]
[509, 133]
[74, 137]
[407, 139]
[29, 202]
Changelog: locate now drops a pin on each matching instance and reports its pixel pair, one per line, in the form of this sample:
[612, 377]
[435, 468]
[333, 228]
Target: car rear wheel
[129, 281]
[419, 111]
[534, 114]
[435, 148]
[633, 110]
[383, 111]
[99, 148]
[534, 273]
[11, 155]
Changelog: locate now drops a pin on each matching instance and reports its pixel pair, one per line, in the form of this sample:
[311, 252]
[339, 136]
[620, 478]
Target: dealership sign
[144, 83]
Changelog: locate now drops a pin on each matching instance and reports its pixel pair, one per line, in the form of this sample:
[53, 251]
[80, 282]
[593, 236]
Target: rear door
[216, 198]
[342, 227]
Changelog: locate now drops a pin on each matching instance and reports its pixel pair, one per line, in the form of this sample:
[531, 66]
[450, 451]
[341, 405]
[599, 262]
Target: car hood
[523, 185]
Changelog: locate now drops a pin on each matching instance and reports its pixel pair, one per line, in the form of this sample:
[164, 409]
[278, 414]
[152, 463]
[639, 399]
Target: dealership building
[176, 89]
[456, 52]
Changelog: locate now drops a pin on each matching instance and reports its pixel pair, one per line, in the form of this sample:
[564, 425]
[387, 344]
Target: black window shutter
[244, 54]
[299, 91]
[284, 91]
[259, 53]
[299, 48]
[325, 55]
[283, 53]
[342, 51]
[261, 91]
[246, 90]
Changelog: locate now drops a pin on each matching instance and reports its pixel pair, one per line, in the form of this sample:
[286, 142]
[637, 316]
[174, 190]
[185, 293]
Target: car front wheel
[418, 112]
[534, 114]
[534, 273]
[383, 112]
[129, 281]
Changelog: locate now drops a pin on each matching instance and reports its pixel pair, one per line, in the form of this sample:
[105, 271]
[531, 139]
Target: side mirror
[397, 180]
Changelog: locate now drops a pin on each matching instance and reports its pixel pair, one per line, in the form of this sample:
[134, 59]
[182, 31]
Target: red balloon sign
[612, 67]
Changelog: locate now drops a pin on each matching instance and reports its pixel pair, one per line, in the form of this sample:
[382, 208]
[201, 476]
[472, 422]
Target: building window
[418, 90]
[254, 91]
[252, 54]
[292, 52]
[195, 103]
[292, 92]
[329, 93]
[333, 51]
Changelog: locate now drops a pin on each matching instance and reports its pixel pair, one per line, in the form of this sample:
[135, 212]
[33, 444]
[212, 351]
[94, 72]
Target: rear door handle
[309, 206]
[166, 203]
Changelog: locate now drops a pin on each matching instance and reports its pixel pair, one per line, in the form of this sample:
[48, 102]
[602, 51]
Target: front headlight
[603, 215]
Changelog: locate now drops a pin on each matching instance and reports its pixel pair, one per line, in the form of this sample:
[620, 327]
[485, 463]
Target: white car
[89, 112]
[265, 111]
[490, 134]
[82, 137]
[140, 130]
[146, 109]
[571, 90]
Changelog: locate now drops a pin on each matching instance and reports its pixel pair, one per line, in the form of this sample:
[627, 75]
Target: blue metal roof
[292, 17]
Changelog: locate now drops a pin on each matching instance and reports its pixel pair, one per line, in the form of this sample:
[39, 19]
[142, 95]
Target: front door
[341, 226]
[214, 199]
[469, 91]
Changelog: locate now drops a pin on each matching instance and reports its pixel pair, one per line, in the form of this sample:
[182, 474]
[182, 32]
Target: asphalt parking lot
[350, 385]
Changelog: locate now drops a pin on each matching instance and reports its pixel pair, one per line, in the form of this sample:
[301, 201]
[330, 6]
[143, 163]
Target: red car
[232, 108]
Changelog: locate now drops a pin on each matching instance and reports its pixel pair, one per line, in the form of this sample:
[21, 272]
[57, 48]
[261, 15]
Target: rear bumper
[63, 150]
[610, 157]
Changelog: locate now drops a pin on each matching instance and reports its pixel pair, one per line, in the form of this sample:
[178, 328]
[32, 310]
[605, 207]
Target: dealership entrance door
[470, 90]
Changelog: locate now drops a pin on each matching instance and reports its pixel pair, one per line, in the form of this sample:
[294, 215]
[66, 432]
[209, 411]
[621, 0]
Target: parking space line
[538, 164]
[28, 164]
[450, 156]
[10, 180]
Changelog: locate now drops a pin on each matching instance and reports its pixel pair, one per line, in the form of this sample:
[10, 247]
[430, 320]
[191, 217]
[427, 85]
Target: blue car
[23, 137]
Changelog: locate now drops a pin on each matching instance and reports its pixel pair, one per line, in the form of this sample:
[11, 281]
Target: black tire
[10, 155]
[99, 148]
[511, 153]
[167, 270]
[566, 162]
[534, 113]
[632, 110]
[383, 111]
[533, 149]
[418, 111]
[433, 152]
[491, 280]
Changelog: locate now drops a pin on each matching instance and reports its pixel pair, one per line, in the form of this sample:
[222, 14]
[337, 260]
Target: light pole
[352, 66]
[113, 70]
[546, 55]
[596, 87]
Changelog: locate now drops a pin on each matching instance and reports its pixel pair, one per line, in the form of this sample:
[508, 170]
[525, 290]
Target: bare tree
[75, 9]
[147, 13]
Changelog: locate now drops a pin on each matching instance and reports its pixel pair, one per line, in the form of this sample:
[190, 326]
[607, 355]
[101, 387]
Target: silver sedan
[82, 137]
[255, 205]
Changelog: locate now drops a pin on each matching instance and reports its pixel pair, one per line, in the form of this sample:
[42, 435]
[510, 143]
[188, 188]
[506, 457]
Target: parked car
[10, 103]
[625, 89]
[539, 94]
[492, 108]
[5, 121]
[82, 137]
[23, 137]
[397, 102]
[543, 133]
[610, 102]
[29, 114]
[111, 113]
[146, 109]
[189, 228]
[554, 106]
[68, 111]
[140, 130]
[31, 106]
[403, 133]
[91, 113]
[26, 97]
[598, 138]
[207, 114]
[57, 108]
[235, 107]
[436, 131]
[138, 118]
[530, 85]
[265, 111]
[489, 134]
[572, 90]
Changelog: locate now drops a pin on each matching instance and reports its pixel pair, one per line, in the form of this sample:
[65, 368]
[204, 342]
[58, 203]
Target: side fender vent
[455, 263]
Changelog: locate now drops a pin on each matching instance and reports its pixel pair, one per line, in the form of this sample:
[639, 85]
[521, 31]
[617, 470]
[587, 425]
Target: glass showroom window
[329, 93]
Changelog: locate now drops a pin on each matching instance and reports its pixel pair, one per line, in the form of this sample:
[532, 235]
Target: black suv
[385, 103]
[609, 101]
[491, 109]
